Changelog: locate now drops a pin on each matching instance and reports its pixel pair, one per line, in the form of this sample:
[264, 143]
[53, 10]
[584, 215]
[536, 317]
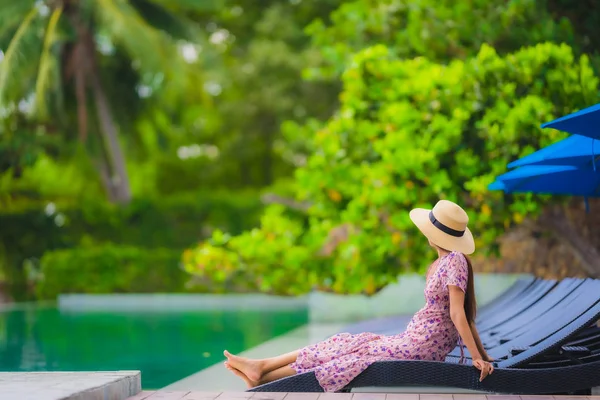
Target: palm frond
[126, 27]
[12, 13]
[161, 18]
[47, 64]
[12, 52]
[190, 5]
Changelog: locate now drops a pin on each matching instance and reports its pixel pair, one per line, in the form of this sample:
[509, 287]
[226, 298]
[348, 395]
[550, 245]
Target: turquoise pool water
[166, 346]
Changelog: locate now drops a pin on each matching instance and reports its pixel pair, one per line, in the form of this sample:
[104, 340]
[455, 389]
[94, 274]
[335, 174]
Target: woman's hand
[485, 367]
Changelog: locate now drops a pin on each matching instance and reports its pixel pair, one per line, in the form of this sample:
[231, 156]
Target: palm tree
[55, 60]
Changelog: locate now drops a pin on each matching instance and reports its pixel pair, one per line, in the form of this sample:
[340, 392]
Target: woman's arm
[459, 318]
[478, 343]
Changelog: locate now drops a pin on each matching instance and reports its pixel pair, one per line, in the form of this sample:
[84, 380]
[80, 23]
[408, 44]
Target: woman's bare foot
[252, 369]
[240, 374]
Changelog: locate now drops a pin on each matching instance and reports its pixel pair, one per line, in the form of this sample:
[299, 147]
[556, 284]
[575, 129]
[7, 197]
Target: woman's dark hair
[470, 302]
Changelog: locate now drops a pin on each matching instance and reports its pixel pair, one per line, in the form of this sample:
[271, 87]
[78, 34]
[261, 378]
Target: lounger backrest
[547, 323]
[527, 301]
[513, 293]
[557, 339]
[568, 313]
[547, 304]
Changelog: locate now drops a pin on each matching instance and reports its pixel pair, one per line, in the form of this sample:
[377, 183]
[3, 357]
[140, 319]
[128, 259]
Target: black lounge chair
[516, 291]
[545, 304]
[519, 334]
[518, 306]
[512, 375]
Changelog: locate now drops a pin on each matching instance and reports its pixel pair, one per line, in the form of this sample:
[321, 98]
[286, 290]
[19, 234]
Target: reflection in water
[165, 346]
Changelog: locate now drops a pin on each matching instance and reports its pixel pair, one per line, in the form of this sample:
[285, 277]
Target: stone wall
[564, 241]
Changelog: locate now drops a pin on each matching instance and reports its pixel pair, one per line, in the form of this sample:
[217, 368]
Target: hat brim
[464, 244]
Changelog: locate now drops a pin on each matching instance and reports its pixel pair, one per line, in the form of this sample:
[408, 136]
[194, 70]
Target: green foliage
[35, 33]
[110, 269]
[408, 133]
[81, 68]
[440, 30]
[257, 87]
[268, 259]
[208, 96]
[173, 223]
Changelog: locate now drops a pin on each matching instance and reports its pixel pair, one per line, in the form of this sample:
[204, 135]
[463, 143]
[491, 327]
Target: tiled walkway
[164, 395]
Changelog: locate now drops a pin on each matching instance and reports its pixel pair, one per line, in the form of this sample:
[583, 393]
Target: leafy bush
[268, 259]
[440, 30]
[173, 222]
[408, 133]
[110, 269]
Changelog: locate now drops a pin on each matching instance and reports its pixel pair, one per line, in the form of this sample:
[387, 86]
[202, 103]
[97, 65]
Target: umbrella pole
[587, 204]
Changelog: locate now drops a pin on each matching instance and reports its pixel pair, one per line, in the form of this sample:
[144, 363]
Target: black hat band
[444, 228]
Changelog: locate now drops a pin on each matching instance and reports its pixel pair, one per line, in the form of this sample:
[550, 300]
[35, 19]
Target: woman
[447, 318]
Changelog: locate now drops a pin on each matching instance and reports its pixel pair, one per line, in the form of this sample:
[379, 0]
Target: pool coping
[139, 302]
[114, 385]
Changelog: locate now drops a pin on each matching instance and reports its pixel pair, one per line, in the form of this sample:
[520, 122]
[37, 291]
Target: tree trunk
[103, 169]
[84, 65]
[118, 172]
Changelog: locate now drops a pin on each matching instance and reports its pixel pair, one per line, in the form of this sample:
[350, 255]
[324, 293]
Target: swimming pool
[165, 345]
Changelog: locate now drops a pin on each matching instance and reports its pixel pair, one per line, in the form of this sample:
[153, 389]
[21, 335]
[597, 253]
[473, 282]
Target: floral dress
[430, 335]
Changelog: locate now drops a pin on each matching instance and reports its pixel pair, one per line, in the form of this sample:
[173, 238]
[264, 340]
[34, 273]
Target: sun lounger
[517, 307]
[553, 298]
[527, 333]
[516, 291]
[512, 374]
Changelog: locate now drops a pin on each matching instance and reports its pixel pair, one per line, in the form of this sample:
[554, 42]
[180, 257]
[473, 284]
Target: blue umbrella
[550, 179]
[584, 122]
[575, 150]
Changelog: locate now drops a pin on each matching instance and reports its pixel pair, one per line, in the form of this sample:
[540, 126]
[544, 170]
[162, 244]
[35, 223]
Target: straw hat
[445, 226]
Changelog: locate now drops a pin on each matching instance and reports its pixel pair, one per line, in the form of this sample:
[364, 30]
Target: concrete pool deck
[118, 385]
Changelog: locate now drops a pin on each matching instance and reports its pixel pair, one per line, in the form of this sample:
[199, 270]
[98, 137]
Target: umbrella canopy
[584, 122]
[550, 179]
[575, 151]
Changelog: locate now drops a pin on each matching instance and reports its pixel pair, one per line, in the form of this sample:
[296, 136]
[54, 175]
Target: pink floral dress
[430, 335]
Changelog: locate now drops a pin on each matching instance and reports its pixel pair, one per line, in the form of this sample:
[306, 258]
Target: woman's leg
[255, 370]
[269, 377]
[279, 373]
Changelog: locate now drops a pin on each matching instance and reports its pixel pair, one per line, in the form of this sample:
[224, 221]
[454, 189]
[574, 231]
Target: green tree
[64, 58]
[439, 30]
[259, 85]
[408, 133]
